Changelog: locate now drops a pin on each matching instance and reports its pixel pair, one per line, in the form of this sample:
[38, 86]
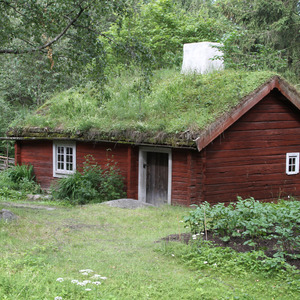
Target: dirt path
[27, 205]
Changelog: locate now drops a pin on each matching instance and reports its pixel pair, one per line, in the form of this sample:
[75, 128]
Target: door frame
[143, 172]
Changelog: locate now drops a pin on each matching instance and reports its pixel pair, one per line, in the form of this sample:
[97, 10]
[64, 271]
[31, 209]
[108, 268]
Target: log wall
[249, 158]
[38, 154]
[187, 174]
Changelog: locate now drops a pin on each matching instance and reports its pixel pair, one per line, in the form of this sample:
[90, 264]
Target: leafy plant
[253, 221]
[93, 184]
[20, 178]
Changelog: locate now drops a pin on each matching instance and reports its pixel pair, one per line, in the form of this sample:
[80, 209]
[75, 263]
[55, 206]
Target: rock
[38, 197]
[7, 215]
[127, 203]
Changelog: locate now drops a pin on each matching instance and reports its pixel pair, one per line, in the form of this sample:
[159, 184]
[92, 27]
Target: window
[64, 159]
[292, 163]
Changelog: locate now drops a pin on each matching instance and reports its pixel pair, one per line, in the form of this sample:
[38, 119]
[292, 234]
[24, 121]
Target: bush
[20, 178]
[94, 184]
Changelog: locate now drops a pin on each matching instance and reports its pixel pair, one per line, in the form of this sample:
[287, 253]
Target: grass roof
[177, 108]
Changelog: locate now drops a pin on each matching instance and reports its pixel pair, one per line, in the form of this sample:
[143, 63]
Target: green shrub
[93, 184]
[20, 172]
[20, 178]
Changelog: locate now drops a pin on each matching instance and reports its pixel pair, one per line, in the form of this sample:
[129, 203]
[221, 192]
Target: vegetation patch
[265, 230]
[18, 181]
[93, 184]
[43, 252]
[177, 107]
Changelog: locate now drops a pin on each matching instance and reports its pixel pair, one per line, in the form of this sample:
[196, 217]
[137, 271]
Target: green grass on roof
[177, 103]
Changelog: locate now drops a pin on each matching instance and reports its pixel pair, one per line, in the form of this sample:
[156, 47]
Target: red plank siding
[105, 153]
[248, 159]
[38, 154]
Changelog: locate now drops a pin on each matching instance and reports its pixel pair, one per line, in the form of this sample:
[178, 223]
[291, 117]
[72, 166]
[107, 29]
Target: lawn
[43, 251]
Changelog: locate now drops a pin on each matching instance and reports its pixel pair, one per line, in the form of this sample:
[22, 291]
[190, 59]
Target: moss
[177, 104]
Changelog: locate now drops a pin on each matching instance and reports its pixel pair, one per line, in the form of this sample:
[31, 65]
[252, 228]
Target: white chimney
[197, 58]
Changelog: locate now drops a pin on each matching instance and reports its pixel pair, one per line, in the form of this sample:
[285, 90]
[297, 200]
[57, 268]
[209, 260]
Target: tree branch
[13, 51]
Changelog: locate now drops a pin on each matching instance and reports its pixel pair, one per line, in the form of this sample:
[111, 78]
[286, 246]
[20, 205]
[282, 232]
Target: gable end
[225, 121]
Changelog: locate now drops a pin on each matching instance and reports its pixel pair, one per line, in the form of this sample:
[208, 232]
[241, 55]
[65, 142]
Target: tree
[51, 45]
[162, 27]
[266, 35]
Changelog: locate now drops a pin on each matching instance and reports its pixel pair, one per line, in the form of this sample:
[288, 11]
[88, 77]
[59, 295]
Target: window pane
[60, 158]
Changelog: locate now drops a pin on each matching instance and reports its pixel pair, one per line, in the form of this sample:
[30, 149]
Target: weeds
[93, 184]
[15, 182]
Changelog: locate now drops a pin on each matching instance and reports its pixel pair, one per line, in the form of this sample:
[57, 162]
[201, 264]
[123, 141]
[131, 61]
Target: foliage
[51, 46]
[163, 27]
[253, 221]
[18, 178]
[203, 255]
[177, 104]
[93, 184]
[265, 35]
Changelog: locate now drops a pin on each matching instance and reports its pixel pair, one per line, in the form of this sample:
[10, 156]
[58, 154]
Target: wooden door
[157, 178]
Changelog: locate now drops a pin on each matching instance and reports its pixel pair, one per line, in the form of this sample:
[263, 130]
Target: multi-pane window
[64, 159]
[292, 163]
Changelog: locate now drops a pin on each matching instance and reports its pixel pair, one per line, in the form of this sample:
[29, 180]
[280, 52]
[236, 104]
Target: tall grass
[175, 103]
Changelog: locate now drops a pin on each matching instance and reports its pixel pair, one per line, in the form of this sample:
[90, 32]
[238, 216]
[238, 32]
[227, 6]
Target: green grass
[175, 104]
[120, 245]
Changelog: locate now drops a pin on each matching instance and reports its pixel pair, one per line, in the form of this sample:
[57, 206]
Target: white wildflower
[194, 236]
[96, 276]
[85, 273]
[81, 283]
[88, 290]
[103, 277]
[205, 262]
[86, 281]
[58, 298]
[96, 282]
[74, 281]
[60, 279]
[173, 255]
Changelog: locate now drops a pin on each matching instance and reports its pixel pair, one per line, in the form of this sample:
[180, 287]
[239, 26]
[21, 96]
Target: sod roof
[177, 110]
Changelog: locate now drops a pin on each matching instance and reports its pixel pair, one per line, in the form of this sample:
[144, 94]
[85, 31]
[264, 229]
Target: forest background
[50, 46]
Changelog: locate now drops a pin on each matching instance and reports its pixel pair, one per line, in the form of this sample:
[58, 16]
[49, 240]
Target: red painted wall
[249, 159]
[39, 154]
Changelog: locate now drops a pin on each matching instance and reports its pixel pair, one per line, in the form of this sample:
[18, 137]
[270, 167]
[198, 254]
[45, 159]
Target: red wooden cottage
[251, 150]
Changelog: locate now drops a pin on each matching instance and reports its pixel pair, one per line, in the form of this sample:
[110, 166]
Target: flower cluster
[95, 281]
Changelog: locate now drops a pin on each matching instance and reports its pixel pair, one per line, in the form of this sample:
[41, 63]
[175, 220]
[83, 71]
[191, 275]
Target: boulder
[7, 215]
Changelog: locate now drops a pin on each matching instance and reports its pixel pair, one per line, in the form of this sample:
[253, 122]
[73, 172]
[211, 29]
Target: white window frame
[63, 146]
[292, 160]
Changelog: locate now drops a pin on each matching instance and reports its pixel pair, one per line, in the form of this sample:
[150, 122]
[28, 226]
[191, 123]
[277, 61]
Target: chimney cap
[198, 58]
